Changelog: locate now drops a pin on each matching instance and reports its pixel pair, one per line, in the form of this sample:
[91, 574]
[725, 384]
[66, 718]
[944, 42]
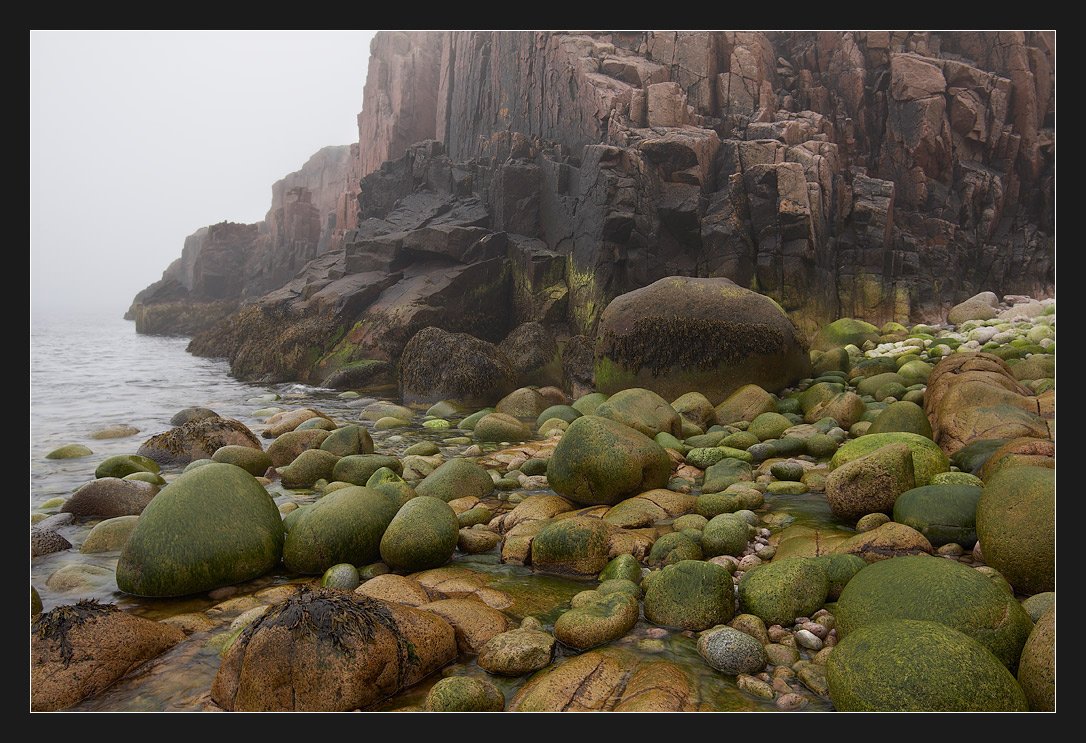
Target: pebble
[776, 632]
[656, 633]
[951, 550]
[818, 630]
[808, 639]
[781, 686]
[829, 621]
[748, 562]
[788, 641]
[650, 645]
[754, 686]
[831, 639]
[791, 702]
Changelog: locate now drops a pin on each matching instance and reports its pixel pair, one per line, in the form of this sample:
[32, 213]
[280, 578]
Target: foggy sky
[140, 138]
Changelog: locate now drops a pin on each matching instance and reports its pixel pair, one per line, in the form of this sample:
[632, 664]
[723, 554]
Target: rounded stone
[464, 694]
[1016, 525]
[597, 619]
[915, 666]
[928, 458]
[69, 451]
[343, 526]
[309, 467]
[936, 590]
[731, 652]
[944, 514]
[423, 535]
[457, 478]
[108, 497]
[343, 576]
[1037, 604]
[690, 595]
[109, 535]
[642, 410]
[672, 548]
[125, 464]
[726, 534]
[211, 527]
[901, 416]
[840, 569]
[624, 567]
[779, 591]
[1037, 666]
[499, 427]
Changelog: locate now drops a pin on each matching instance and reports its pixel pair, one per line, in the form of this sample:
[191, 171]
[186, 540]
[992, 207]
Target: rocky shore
[743, 524]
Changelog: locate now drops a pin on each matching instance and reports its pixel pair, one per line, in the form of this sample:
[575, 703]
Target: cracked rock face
[510, 177]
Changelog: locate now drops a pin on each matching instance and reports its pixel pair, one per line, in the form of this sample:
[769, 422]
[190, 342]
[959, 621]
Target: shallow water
[94, 371]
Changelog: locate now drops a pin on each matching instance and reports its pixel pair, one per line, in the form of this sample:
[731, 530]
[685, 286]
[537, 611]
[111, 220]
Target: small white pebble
[808, 639]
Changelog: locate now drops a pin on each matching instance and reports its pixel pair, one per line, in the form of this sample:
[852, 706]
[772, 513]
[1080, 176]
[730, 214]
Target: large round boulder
[344, 526]
[731, 652]
[871, 483]
[457, 478]
[680, 333]
[936, 590]
[597, 619]
[1037, 666]
[330, 651]
[254, 461]
[745, 404]
[642, 410]
[575, 546]
[498, 427]
[464, 694]
[108, 497]
[308, 467]
[942, 513]
[600, 461]
[690, 595]
[197, 439]
[122, 465]
[844, 332]
[1016, 526]
[422, 535]
[439, 365]
[348, 440]
[902, 416]
[928, 458]
[211, 527]
[777, 592]
[533, 354]
[914, 666]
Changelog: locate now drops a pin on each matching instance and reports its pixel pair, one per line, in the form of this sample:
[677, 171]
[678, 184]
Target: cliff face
[228, 262]
[880, 175]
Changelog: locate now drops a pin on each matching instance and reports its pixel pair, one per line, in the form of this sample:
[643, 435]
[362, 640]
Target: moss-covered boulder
[726, 473]
[500, 427]
[690, 595]
[928, 458]
[672, 548]
[342, 576]
[287, 446]
[69, 451]
[348, 440]
[308, 467]
[777, 592]
[109, 535]
[695, 408]
[726, 534]
[597, 619]
[357, 469]
[936, 590]
[769, 426]
[439, 365]
[197, 439]
[942, 513]
[386, 481]
[125, 464]
[108, 497]
[600, 461]
[464, 694]
[573, 546]
[423, 535]
[343, 526]
[642, 410]
[885, 542]
[253, 461]
[731, 651]
[587, 404]
[846, 408]
[1037, 604]
[870, 483]
[1016, 525]
[561, 412]
[1037, 666]
[902, 416]
[457, 478]
[680, 334]
[623, 567]
[745, 404]
[211, 527]
[915, 666]
[844, 332]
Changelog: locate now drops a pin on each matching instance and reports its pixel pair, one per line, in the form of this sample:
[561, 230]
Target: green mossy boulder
[942, 513]
[587, 404]
[840, 569]
[624, 567]
[109, 535]
[672, 548]
[777, 592]
[696, 408]
[69, 451]
[902, 416]
[1037, 604]
[349, 440]
[844, 332]
[936, 590]
[574, 546]
[600, 461]
[870, 483]
[928, 458]
[211, 527]
[598, 619]
[732, 651]
[125, 464]
[726, 534]
[457, 478]
[309, 467]
[423, 535]
[468, 424]
[386, 481]
[464, 694]
[769, 426]
[642, 410]
[566, 413]
[915, 666]
[1037, 666]
[500, 427]
[745, 404]
[343, 576]
[1016, 525]
[253, 461]
[690, 595]
[358, 468]
[343, 526]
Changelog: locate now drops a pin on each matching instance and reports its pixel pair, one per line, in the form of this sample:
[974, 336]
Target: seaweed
[55, 625]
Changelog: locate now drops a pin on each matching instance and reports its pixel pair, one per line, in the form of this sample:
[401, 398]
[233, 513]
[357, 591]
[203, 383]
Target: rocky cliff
[881, 175]
[226, 263]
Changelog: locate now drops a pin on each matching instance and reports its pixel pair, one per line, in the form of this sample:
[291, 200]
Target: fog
[137, 139]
